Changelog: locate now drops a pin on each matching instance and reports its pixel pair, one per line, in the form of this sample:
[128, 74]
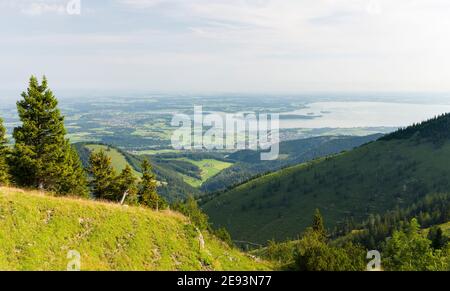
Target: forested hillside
[393, 172]
[248, 164]
[431, 211]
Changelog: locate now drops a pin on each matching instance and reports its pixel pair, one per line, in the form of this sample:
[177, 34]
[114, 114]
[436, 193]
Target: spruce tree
[103, 176]
[317, 224]
[4, 169]
[74, 178]
[42, 156]
[436, 235]
[148, 187]
[126, 183]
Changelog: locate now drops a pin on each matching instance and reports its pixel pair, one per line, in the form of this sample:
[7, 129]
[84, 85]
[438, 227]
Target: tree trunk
[123, 197]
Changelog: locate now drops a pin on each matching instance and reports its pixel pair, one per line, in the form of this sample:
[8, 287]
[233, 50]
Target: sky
[271, 46]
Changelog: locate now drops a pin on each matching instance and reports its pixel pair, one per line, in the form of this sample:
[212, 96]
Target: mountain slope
[394, 171]
[248, 164]
[38, 231]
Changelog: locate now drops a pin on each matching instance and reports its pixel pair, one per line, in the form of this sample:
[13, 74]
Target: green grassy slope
[370, 179]
[118, 160]
[208, 168]
[37, 231]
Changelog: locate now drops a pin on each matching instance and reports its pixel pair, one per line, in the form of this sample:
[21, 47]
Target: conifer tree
[191, 209]
[148, 188]
[103, 176]
[74, 178]
[436, 235]
[317, 225]
[4, 170]
[126, 183]
[42, 156]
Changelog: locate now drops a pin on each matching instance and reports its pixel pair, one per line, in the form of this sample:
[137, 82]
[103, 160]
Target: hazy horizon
[306, 96]
[244, 46]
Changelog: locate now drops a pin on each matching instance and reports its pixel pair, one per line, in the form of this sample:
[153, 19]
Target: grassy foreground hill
[394, 171]
[37, 231]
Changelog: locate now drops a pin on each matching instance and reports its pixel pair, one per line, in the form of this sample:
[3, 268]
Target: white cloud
[142, 3]
[41, 8]
[360, 26]
[36, 7]
[240, 45]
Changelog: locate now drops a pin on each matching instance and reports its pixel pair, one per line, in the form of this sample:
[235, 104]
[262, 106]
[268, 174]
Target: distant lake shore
[360, 114]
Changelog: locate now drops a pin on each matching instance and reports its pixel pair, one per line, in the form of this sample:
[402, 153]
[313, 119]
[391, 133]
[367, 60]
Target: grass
[194, 182]
[37, 232]
[80, 137]
[118, 160]
[208, 167]
[445, 229]
[156, 152]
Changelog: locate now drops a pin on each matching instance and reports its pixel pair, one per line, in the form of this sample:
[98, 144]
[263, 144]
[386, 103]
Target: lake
[360, 114]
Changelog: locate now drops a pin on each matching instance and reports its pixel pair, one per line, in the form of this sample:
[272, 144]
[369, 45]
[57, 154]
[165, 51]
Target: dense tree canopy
[4, 169]
[103, 175]
[148, 187]
[313, 254]
[318, 226]
[431, 210]
[410, 250]
[126, 186]
[191, 209]
[42, 156]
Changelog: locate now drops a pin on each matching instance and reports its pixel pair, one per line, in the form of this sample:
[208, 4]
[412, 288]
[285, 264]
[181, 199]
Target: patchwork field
[208, 168]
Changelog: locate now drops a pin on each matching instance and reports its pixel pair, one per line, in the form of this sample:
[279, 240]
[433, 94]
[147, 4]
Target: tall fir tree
[437, 237]
[318, 225]
[42, 156]
[103, 176]
[4, 169]
[126, 184]
[74, 179]
[148, 188]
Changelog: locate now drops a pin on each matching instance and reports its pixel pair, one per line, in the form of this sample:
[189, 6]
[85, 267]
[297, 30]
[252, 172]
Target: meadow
[208, 169]
[39, 230]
